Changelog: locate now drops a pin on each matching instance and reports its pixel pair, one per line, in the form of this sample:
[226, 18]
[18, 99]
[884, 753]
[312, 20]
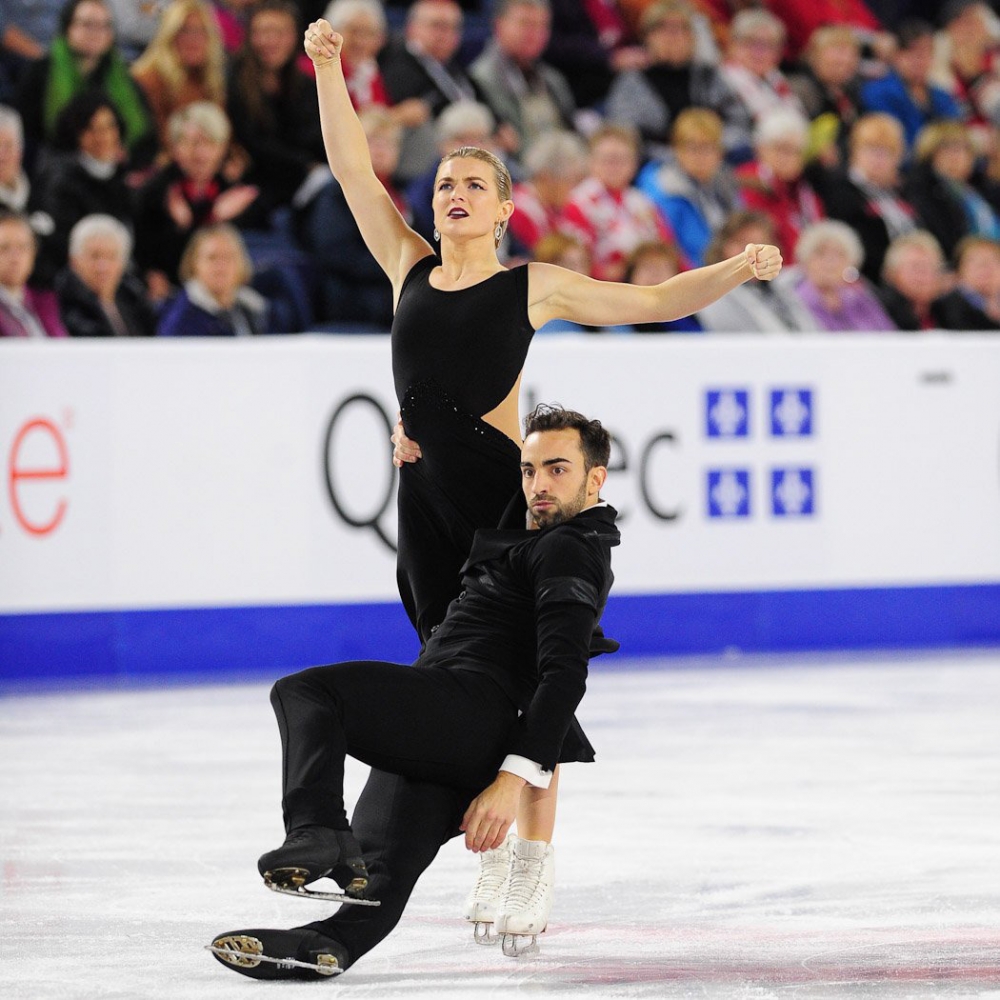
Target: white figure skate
[523, 911]
[480, 906]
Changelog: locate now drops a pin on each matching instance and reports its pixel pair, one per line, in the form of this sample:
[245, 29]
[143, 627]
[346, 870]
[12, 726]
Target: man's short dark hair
[912, 30]
[595, 441]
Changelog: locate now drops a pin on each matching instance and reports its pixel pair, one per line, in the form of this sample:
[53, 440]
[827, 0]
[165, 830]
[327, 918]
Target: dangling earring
[498, 232]
[437, 235]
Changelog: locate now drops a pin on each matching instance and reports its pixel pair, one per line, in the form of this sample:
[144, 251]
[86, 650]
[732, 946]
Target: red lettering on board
[18, 475]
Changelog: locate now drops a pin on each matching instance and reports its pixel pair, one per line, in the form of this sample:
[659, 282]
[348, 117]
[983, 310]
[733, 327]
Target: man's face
[437, 29]
[523, 33]
[555, 483]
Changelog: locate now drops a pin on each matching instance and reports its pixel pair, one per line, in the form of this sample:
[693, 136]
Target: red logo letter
[16, 474]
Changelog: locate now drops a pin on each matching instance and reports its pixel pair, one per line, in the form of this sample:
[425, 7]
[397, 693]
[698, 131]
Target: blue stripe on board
[132, 647]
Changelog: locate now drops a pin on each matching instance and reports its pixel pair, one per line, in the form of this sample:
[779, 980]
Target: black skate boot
[275, 954]
[314, 852]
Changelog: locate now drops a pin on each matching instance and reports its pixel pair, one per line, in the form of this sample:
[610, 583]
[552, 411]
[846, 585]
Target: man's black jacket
[526, 616]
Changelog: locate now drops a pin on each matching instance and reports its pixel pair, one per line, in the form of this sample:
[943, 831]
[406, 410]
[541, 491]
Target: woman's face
[198, 155]
[754, 233]
[785, 157]
[191, 42]
[613, 162]
[218, 265]
[273, 38]
[100, 264]
[914, 63]
[653, 268]
[91, 32]
[954, 160]
[759, 51]
[17, 254]
[980, 270]
[877, 161]
[575, 258]
[826, 266]
[363, 37]
[671, 41]
[700, 158]
[102, 139]
[11, 155]
[836, 63]
[917, 275]
[383, 145]
[466, 199]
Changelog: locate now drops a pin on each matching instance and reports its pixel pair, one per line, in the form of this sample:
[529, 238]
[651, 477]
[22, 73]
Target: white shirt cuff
[533, 774]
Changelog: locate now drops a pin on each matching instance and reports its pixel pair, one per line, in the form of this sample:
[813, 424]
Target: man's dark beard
[559, 513]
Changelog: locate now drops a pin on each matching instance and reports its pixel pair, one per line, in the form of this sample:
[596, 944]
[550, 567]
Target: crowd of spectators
[162, 169]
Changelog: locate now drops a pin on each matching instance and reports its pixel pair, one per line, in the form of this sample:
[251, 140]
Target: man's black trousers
[435, 738]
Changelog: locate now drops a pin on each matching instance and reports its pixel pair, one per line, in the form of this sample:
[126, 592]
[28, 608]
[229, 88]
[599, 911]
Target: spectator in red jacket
[773, 182]
[555, 164]
[606, 212]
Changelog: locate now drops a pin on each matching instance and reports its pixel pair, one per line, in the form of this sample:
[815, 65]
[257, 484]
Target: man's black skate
[278, 954]
[313, 852]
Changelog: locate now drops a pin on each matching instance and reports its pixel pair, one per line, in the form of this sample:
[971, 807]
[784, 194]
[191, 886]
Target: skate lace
[526, 883]
[492, 873]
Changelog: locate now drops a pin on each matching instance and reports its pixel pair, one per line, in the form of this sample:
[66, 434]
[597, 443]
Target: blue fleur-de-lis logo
[728, 493]
[727, 413]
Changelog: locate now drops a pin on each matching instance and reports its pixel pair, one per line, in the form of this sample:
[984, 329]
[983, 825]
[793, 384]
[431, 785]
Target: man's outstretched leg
[401, 824]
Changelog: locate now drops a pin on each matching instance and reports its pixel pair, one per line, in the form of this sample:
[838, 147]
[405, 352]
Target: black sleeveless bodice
[471, 342]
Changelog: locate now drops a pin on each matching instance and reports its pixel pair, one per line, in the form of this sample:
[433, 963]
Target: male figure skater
[487, 705]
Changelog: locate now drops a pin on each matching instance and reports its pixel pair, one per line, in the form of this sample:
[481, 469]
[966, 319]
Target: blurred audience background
[162, 164]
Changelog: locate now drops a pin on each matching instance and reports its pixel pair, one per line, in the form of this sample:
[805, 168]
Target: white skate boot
[480, 906]
[523, 910]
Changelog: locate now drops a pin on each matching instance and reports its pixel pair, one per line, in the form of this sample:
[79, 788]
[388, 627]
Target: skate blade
[515, 946]
[483, 933]
[247, 952]
[331, 897]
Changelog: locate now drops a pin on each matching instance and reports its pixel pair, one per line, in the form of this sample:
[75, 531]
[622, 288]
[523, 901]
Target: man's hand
[403, 449]
[491, 813]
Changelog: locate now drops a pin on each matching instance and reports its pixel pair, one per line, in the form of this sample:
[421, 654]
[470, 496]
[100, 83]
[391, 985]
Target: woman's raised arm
[392, 243]
[556, 293]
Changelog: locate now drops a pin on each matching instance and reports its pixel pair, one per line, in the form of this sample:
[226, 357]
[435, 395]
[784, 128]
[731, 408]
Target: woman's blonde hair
[186, 271]
[160, 56]
[655, 14]
[551, 247]
[830, 34]
[919, 239]
[696, 124]
[932, 137]
[501, 175]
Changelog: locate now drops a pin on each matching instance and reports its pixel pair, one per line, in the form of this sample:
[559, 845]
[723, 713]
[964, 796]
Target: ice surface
[793, 828]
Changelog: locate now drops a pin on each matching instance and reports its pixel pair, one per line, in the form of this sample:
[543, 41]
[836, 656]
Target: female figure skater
[460, 335]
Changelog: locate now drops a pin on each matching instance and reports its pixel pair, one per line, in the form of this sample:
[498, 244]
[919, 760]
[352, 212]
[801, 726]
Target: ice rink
[753, 829]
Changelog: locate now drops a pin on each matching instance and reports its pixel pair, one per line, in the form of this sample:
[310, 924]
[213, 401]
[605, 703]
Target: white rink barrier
[182, 507]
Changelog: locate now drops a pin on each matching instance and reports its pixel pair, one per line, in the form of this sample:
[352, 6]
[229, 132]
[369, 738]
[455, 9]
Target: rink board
[227, 506]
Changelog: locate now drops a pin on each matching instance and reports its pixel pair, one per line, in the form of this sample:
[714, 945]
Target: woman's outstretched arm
[556, 293]
[392, 243]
